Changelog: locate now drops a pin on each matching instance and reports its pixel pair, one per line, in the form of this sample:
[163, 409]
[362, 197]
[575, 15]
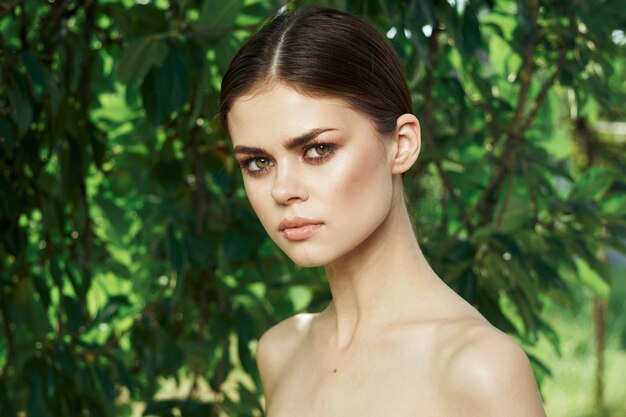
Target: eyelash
[245, 163]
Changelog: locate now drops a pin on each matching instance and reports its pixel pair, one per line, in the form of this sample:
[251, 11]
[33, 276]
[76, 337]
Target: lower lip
[302, 232]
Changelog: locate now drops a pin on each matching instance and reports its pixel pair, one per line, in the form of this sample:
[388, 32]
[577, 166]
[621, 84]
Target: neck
[380, 281]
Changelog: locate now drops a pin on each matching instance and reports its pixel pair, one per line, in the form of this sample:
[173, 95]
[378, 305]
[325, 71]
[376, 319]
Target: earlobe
[408, 139]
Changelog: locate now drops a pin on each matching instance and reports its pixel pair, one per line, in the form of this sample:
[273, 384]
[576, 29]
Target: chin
[308, 258]
[306, 261]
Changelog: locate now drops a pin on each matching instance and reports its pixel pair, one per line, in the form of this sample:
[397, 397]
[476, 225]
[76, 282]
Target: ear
[408, 143]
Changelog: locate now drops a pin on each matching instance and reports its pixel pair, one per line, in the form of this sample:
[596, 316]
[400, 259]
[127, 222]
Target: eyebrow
[289, 144]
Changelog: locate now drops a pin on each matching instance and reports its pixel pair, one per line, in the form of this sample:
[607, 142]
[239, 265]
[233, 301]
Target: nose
[287, 188]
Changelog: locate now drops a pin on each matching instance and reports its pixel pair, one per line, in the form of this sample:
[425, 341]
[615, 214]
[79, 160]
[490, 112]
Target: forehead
[279, 111]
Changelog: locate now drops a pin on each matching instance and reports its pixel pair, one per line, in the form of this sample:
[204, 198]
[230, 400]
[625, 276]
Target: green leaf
[518, 214]
[115, 216]
[37, 74]
[300, 296]
[35, 371]
[470, 38]
[55, 271]
[526, 313]
[539, 368]
[592, 280]
[115, 305]
[174, 76]
[217, 14]
[222, 358]
[140, 56]
[166, 89]
[73, 313]
[140, 19]
[22, 109]
[592, 185]
[98, 147]
[552, 336]
[467, 285]
[225, 50]
[198, 250]
[492, 311]
[614, 204]
[196, 355]
[239, 246]
[508, 244]
[42, 289]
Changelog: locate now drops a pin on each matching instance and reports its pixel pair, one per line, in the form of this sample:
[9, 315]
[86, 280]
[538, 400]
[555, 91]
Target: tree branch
[449, 187]
[488, 200]
[531, 194]
[505, 204]
[527, 67]
[543, 93]
[453, 238]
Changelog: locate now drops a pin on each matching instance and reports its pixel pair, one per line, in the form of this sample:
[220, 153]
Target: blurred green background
[136, 280]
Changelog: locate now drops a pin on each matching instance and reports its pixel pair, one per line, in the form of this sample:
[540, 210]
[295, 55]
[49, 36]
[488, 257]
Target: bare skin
[395, 340]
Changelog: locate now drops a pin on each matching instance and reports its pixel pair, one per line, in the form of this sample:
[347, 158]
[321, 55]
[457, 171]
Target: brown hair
[322, 52]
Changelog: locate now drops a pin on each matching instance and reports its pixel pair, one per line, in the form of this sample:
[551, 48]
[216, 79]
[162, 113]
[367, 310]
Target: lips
[299, 228]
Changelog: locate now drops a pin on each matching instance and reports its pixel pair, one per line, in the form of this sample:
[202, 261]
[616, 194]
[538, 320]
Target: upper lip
[296, 222]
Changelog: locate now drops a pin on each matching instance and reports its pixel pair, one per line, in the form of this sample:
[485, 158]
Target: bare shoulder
[488, 374]
[278, 345]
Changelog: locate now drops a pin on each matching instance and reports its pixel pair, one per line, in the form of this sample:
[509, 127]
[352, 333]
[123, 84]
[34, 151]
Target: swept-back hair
[322, 52]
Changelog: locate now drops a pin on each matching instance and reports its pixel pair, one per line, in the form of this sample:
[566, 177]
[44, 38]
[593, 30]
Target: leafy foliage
[130, 258]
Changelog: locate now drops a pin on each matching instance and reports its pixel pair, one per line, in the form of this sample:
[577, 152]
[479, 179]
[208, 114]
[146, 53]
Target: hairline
[268, 82]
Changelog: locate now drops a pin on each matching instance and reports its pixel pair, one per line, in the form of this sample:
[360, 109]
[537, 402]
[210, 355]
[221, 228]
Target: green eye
[317, 151]
[261, 163]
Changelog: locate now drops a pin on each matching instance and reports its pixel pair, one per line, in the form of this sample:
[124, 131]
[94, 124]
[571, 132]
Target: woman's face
[316, 173]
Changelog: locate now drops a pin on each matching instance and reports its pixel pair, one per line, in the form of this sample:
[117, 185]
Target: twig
[448, 186]
[487, 201]
[543, 93]
[453, 238]
[529, 188]
[505, 204]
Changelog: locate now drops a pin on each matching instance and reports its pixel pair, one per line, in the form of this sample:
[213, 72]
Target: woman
[321, 122]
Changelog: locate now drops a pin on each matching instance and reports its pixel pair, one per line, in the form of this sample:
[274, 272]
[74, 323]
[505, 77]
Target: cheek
[362, 184]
